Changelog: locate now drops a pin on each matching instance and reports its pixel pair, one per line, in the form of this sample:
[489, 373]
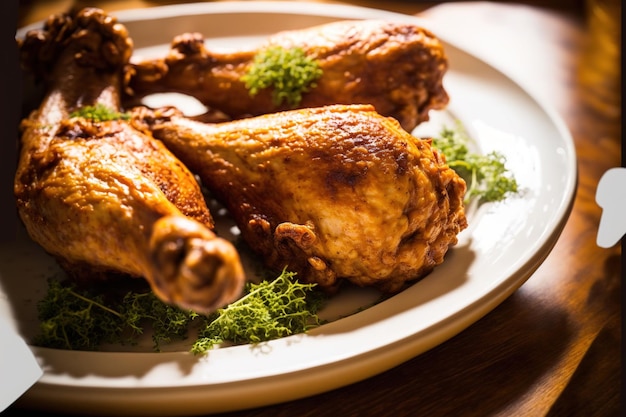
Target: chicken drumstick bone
[100, 196]
[396, 67]
[333, 193]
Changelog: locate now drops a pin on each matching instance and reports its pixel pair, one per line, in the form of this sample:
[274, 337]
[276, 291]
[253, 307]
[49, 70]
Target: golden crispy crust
[396, 67]
[102, 196]
[334, 193]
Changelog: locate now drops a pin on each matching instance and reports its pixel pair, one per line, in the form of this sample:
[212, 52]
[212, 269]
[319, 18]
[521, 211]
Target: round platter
[503, 246]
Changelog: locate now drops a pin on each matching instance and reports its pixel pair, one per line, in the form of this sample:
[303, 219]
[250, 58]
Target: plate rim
[403, 349]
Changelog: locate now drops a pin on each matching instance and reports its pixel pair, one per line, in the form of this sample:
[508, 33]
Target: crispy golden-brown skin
[334, 193]
[104, 197]
[396, 67]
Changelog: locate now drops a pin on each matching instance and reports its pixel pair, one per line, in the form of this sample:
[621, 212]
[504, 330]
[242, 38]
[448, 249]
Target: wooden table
[554, 347]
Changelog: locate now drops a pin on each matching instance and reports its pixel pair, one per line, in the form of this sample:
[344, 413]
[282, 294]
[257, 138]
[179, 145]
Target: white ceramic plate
[503, 246]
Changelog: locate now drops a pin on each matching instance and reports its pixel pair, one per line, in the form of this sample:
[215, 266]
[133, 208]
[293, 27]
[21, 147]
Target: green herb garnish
[99, 113]
[269, 310]
[290, 72]
[487, 177]
[84, 319]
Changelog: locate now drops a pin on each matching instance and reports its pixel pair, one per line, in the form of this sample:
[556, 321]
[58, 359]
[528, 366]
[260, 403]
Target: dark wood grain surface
[553, 348]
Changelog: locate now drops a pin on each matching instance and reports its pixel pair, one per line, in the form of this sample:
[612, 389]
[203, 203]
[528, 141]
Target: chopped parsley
[487, 176]
[289, 72]
[99, 113]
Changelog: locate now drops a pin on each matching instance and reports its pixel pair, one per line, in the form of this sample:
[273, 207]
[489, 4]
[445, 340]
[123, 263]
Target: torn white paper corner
[19, 369]
[611, 197]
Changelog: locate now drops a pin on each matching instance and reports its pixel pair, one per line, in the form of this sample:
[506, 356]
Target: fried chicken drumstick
[332, 193]
[396, 67]
[101, 196]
